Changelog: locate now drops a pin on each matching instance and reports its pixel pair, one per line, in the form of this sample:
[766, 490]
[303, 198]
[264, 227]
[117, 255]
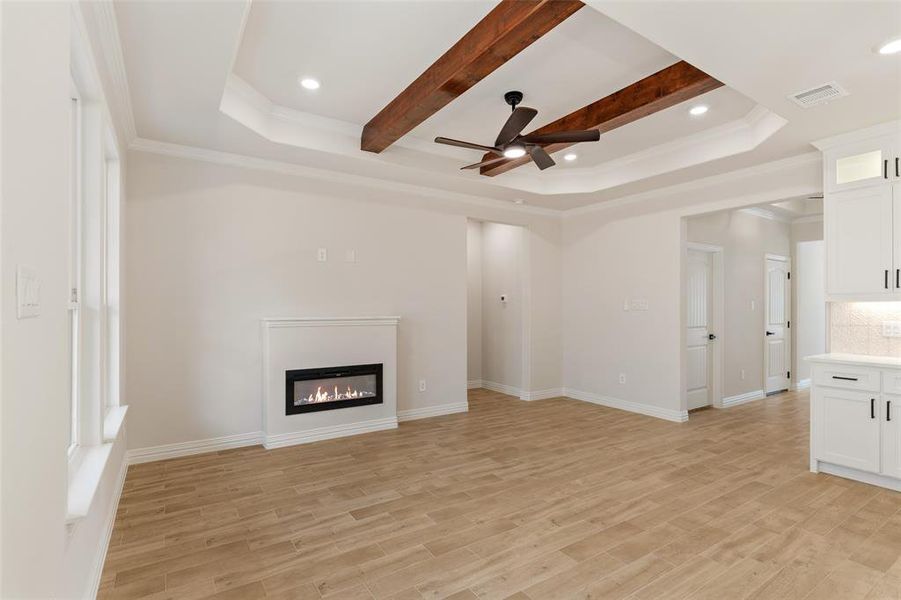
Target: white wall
[474, 301]
[502, 322]
[212, 249]
[810, 299]
[41, 559]
[745, 239]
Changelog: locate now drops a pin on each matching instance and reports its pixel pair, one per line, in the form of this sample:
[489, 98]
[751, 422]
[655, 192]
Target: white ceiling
[179, 57]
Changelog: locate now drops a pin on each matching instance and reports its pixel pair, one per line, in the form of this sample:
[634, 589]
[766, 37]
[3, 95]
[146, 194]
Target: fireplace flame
[326, 396]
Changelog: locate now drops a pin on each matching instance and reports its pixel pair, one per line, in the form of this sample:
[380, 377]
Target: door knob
[711, 336]
[770, 333]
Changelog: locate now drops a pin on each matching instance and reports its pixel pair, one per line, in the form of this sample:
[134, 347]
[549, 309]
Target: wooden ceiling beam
[510, 27]
[668, 87]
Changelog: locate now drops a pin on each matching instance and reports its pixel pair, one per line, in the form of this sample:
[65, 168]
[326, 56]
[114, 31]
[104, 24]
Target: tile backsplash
[856, 328]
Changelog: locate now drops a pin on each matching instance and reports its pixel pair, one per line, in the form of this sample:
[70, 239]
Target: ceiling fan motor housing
[513, 98]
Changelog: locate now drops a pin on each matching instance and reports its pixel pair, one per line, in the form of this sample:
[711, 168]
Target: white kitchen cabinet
[862, 213]
[860, 232]
[848, 428]
[855, 418]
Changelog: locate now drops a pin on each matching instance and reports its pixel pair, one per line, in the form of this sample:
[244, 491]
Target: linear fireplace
[328, 388]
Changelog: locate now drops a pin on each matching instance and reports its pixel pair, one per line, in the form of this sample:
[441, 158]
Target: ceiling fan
[510, 144]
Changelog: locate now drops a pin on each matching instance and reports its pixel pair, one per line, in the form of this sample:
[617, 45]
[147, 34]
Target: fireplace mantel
[328, 321]
[292, 343]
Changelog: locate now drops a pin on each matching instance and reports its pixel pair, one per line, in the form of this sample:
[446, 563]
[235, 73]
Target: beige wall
[809, 299]
[502, 322]
[474, 301]
[745, 239]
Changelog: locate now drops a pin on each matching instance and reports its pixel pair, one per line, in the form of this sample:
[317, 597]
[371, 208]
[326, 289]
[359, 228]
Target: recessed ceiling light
[519, 201]
[309, 83]
[571, 156]
[514, 152]
[697, 111]
[890, 47]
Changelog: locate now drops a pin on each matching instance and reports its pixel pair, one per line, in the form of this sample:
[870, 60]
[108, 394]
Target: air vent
[818, 95]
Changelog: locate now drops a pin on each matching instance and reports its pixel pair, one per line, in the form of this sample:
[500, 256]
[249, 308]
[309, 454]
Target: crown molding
[697, 184]
[763, 213]
[110, 46]
[263, 164]
[887, 128]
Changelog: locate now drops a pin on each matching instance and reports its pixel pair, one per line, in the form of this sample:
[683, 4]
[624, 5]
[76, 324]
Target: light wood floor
[526, 500]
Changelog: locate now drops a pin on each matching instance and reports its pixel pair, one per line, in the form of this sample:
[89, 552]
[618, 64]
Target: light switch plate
[28, 293]
[891, 329]
[639, 304]
[322, 255]
[350, 256]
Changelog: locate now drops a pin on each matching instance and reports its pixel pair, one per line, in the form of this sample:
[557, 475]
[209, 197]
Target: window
[75, 254]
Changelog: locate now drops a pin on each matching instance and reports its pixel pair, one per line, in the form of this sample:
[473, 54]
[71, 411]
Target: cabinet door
[896, 193]
[891, 435]
[859, 242]
[847, 428]
[860, 164]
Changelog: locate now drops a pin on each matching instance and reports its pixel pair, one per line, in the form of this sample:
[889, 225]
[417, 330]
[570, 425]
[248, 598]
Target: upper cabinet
[862, 214]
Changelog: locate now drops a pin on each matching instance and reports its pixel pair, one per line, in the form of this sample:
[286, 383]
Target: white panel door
[891, 435]
[777, 355]
[847, 428]
[698, 303]
[859, 241]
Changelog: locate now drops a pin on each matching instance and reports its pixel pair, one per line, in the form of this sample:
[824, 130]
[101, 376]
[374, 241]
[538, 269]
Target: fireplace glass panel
[334, 388]
[328, 388]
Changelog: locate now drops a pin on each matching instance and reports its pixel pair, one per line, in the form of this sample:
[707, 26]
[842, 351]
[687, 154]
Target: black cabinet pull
[886, 279]
[898, 278]
[844, 378]
[888, 410]
[885, 168]
[872, 408]
[897, 169]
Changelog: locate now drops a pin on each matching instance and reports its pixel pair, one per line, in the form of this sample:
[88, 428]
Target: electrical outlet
[622, 378]
[350, 256]
[422, 385]
[322, 255]
[753, 305]
[639, 304]
[626, 305]
[891, 329]
[742, 373]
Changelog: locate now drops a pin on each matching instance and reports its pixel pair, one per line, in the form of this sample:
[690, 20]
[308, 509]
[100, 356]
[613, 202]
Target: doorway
[496, 304]
[704, 325]
[777, 311]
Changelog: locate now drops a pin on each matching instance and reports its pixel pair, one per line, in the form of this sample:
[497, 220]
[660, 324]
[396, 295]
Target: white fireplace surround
[312, 342]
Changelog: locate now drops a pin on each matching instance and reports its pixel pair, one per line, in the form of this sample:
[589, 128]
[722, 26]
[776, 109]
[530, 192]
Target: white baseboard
[500, 387]
[154, 453]
[107, 534]
[542, 394]
[432, 411]
[862, 476]
[801, 385]
[729, 401]
[328, 433]
[678, 416]
[474, 384]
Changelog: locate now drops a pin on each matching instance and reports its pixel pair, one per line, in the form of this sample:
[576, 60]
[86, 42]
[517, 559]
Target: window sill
[112, 423]
[89, 463]
[83, 483]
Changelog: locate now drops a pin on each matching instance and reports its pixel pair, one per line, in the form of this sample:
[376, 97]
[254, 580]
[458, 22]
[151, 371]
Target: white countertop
[892, 362]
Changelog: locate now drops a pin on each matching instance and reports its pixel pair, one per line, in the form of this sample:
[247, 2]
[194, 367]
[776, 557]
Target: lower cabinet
[855, 421]
[848, 428]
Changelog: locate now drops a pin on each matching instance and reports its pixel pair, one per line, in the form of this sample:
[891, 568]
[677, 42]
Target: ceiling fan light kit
[511, 144]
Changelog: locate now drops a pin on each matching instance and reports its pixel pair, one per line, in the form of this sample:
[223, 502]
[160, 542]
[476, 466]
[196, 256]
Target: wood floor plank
[555, 499]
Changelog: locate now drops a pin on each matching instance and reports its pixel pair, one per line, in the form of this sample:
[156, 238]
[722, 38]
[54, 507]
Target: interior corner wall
[474, 302]
[503, 263]
[745, 239]
[215, 248]
[608, 260]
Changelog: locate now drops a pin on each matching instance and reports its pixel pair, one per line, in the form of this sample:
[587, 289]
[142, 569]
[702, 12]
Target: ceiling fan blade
[471, 146]
[490, 161]
[541, 157]
[517, 121]
[563, 137]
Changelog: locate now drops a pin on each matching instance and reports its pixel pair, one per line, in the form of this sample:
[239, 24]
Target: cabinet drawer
[891, 381]
[847, 377]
